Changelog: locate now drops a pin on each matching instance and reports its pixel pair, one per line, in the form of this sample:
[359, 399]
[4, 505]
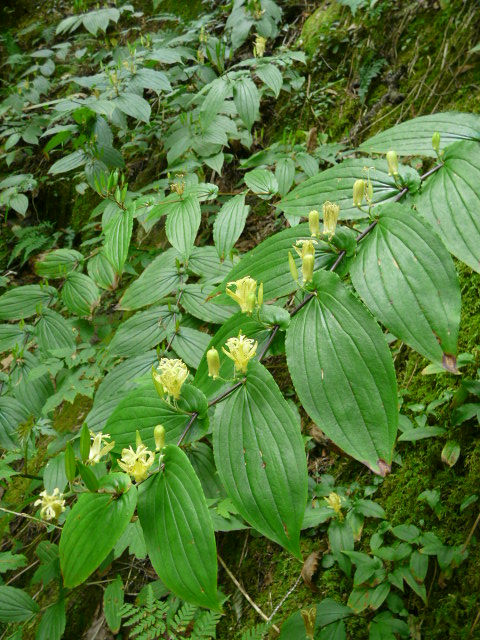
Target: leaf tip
[449, 362]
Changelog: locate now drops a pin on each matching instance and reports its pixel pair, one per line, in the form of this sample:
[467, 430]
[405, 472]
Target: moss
[321, 27]
[71, 415]
[83, 206]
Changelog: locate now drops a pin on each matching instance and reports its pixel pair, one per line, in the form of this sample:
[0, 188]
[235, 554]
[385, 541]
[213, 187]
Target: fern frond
[257, 633]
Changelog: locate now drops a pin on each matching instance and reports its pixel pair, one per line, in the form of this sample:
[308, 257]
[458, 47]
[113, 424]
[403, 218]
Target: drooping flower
[137, 463]
[330, 218]
[306, 247]
[259, 46]
[241, 350]
[313, 223]
[99, 447]
[52, 505]
[159, 437]
[170, 376]
[244, 293]
[392, 161]
[359, 191]
[308, 266]
[213, 362]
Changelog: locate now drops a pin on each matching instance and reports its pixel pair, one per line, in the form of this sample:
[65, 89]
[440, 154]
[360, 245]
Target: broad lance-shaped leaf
[450, 201]
[415, 136]
[182, 224]
[343, 373]
[407, 279]
[229, 224]
[93, 527]
[178, 530]
[117, 239]
[260, 458]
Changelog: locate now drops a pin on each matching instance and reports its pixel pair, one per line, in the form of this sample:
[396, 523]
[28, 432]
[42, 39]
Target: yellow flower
[52, 505]
[313, 222]
[308, 266]
[97, 451]
[213, 362]
[330, 217]
[392, 161]
[241, 350]
[259, 46]
[137, 463]
[307, 247]
[359, 191]
[334, 501]
[170, 375]
[244, 293]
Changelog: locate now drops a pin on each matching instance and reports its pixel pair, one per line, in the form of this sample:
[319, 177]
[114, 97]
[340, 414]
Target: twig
[289, 592]
[25, 515]
[469, 537]
[245, 594]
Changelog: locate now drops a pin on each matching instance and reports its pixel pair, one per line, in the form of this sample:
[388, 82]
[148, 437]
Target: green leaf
[268, 263]
[101, 271]
[19, 203]
[178, 530]
[213, 103]
[182, 224]
[271, 76]
[10, 561]
[91, 530]
[408, 281]
[262, 182]
[53, 622]
[117, 239]
[11, 336]
[334, 631]
[80, 294]
[363, 598]
[414, 137]
[54, 332]
[336, 184]
[159, 278]
[329, 611]
[125, 376]
[285, 175]
[247, 101]
[141, 332]
[68, 163]
[16, 605]
[229, 224]
[451, 452]
[23, 302]
[260, 458]
[343, 373]
[54, 475]
[133, 105]
[142, 409]
[152, 79]
[58, 263]
[194, 300]
[112, 603]
[190, 345]
[450, 199]
[12, 414]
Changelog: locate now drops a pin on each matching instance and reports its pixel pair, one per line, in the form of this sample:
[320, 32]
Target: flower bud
[157, 383]
[308, 264]
[260, 295]
[159, 436]
[313, 222]
[436, 141]
[138, 438]
[392, 161]
[358, 192]
[330, 217]
[251, 302]
[213, 361]
[293, 267]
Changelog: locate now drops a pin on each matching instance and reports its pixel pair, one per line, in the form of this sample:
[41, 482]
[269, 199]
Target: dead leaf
[309, 569]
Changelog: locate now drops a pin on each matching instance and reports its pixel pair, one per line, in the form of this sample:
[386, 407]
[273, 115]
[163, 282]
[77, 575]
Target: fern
[369, 70]
[205, 625]
[157, 619]
[257, 633]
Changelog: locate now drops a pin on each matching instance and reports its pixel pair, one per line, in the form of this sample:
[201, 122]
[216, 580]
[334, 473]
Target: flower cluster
[170, 376]
[245, 293]
[137, 463]
[52, 505]
[241, 350]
